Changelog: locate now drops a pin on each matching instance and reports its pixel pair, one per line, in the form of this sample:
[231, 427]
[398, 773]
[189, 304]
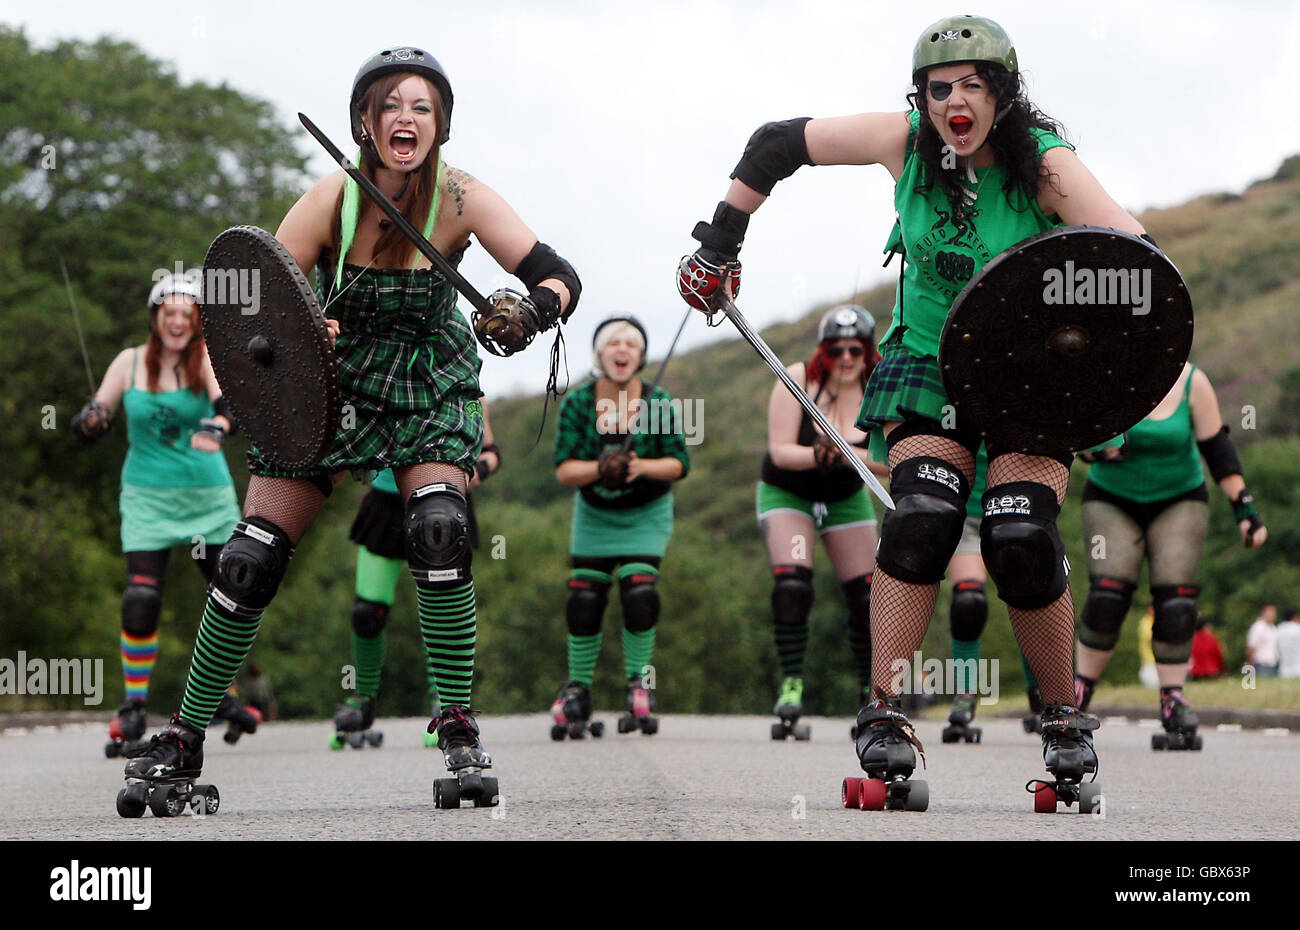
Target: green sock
[638, 651]
[583, 653]
[448, 625]
[966, 656]
[368, 660]
[223, 643]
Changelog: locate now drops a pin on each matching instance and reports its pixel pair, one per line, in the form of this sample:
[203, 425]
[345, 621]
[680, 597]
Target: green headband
[350, 215]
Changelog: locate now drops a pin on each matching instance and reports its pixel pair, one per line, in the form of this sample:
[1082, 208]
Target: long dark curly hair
[1014, 147]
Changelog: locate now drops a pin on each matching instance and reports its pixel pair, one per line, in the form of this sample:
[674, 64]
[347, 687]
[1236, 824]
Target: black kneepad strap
[774, 152]
[369, 617]
[541, 263]
[969, 611]
[919, 536]
[251, 566]
[1175, 622]
[437, 534]
[1104, 611]
[141, 605]
[639, 593]
[1022, 549]
[588, 595]
[792, 594]
[857, 597]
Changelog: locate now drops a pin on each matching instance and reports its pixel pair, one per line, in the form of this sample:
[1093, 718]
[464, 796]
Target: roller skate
[1068, 755]
[959, 721]
[162, 777]
[789, 706]
[431, 738]
[240, 719]
[125, 730]
[1179, 720]
[466, 759]
[1033, 721]
[352, 724]
[864, 698]
[640, 709]
[572, 714]
[887, 748]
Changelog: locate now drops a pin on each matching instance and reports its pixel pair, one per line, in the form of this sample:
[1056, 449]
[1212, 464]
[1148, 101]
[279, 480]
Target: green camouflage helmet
[963, 38]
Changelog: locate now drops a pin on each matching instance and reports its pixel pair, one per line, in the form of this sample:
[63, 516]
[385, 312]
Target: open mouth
[403, 144]
[961, 125]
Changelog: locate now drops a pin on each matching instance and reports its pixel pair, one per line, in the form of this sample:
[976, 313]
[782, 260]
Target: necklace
[970, 194]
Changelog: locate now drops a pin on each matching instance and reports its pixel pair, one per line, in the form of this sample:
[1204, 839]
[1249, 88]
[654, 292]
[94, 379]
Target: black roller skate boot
[640, 709]
[789, 707]
[959, 721]
[1033, 721]
[1179, 721]
[864, 698]
[887, 748]
[125, 730]
[1068, 755]
[571, 714]
[240, 719]
[352, 724]
[463, 752]
[162, 776]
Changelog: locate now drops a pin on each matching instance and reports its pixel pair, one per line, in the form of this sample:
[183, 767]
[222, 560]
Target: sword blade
[728, 306]
[627, 443]
[417, 239]
[76, 319]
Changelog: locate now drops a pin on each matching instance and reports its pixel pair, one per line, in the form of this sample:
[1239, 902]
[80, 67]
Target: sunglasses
[942, 90]
[854, 351]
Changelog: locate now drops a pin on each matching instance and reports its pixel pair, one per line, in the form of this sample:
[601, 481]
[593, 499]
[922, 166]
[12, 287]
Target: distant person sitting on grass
[1288, 644]
[1261, 643]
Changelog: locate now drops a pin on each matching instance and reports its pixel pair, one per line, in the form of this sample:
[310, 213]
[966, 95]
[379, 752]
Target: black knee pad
[588, 595]
[437, 535]
[1104, 611]
[369, 618]
[919, 536]
[639, 593]
[1022, 549]
[251, 566]
[792, 594]
[857, 597]
[141, 605]
[1175, 622]
[969, 611]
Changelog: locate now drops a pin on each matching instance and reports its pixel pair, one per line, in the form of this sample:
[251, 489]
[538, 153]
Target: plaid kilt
[408, 376]
[902, 386]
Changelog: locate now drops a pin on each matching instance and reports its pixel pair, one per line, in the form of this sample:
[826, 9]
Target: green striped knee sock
[962, 651]
[638, 651]
[584, 651]
[224, 640]
[448, 625]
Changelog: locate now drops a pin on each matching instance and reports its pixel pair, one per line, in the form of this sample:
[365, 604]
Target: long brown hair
[392, 246]
[191, 355]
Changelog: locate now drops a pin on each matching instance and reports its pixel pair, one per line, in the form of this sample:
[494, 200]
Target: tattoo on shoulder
[458, 183]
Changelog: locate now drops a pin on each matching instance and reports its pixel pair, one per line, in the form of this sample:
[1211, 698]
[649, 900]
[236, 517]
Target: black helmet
[392, 60]
[847, 321]
[632, 321]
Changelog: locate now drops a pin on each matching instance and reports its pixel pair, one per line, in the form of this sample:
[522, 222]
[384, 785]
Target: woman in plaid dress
[408, 371]
[977, 168]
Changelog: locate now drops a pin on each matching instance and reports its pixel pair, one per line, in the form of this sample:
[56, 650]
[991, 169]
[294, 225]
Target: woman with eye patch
[808, 490]
[977, 168]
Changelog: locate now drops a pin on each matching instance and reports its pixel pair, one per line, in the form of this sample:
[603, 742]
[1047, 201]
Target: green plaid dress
[408, 375]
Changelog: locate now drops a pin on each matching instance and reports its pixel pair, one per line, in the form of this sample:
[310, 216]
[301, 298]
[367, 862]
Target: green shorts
[159, 518]
[855, 510]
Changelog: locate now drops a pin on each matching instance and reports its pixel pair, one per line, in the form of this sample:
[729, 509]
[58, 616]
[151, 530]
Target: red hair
[191, 356]
[819, 366]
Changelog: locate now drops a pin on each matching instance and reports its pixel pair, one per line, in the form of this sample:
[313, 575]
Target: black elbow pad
[774, 152]
[542, 263]
[1220, 454]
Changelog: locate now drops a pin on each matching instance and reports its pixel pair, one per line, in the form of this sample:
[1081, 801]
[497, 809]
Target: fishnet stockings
[290, 503]
[1045, 634]
[900, 612]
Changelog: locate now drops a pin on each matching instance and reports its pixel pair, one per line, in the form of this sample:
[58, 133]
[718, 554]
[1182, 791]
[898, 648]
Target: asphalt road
[699, 778]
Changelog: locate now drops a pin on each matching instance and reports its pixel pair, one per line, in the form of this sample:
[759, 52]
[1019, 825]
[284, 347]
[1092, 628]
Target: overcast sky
[611, 126]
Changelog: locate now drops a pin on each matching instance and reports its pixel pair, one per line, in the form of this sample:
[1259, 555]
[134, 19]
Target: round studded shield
[1066, 340]
[270, 347]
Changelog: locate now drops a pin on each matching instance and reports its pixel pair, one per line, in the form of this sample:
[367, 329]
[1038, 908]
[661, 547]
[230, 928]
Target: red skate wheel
[256, 715]
[1044, 798]
[115, 729]
[851, 792]
[872, 795]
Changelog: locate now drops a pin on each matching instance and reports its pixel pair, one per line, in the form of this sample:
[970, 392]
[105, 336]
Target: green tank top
[1160, 458]
[158, 431]
[945, 250]
[386, 482]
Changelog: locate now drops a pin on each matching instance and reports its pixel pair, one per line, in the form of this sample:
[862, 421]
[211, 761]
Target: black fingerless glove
[721, 239]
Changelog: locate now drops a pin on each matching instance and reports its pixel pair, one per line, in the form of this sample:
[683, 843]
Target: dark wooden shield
[270, 347]
[1066, 340]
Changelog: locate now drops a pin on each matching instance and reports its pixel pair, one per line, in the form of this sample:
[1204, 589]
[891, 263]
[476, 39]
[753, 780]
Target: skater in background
[176, 488]
[1147, 499]
[381, 558]
[622, 518]
[968, 613]
[977, 169]
[808, 490]
[408, 366]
